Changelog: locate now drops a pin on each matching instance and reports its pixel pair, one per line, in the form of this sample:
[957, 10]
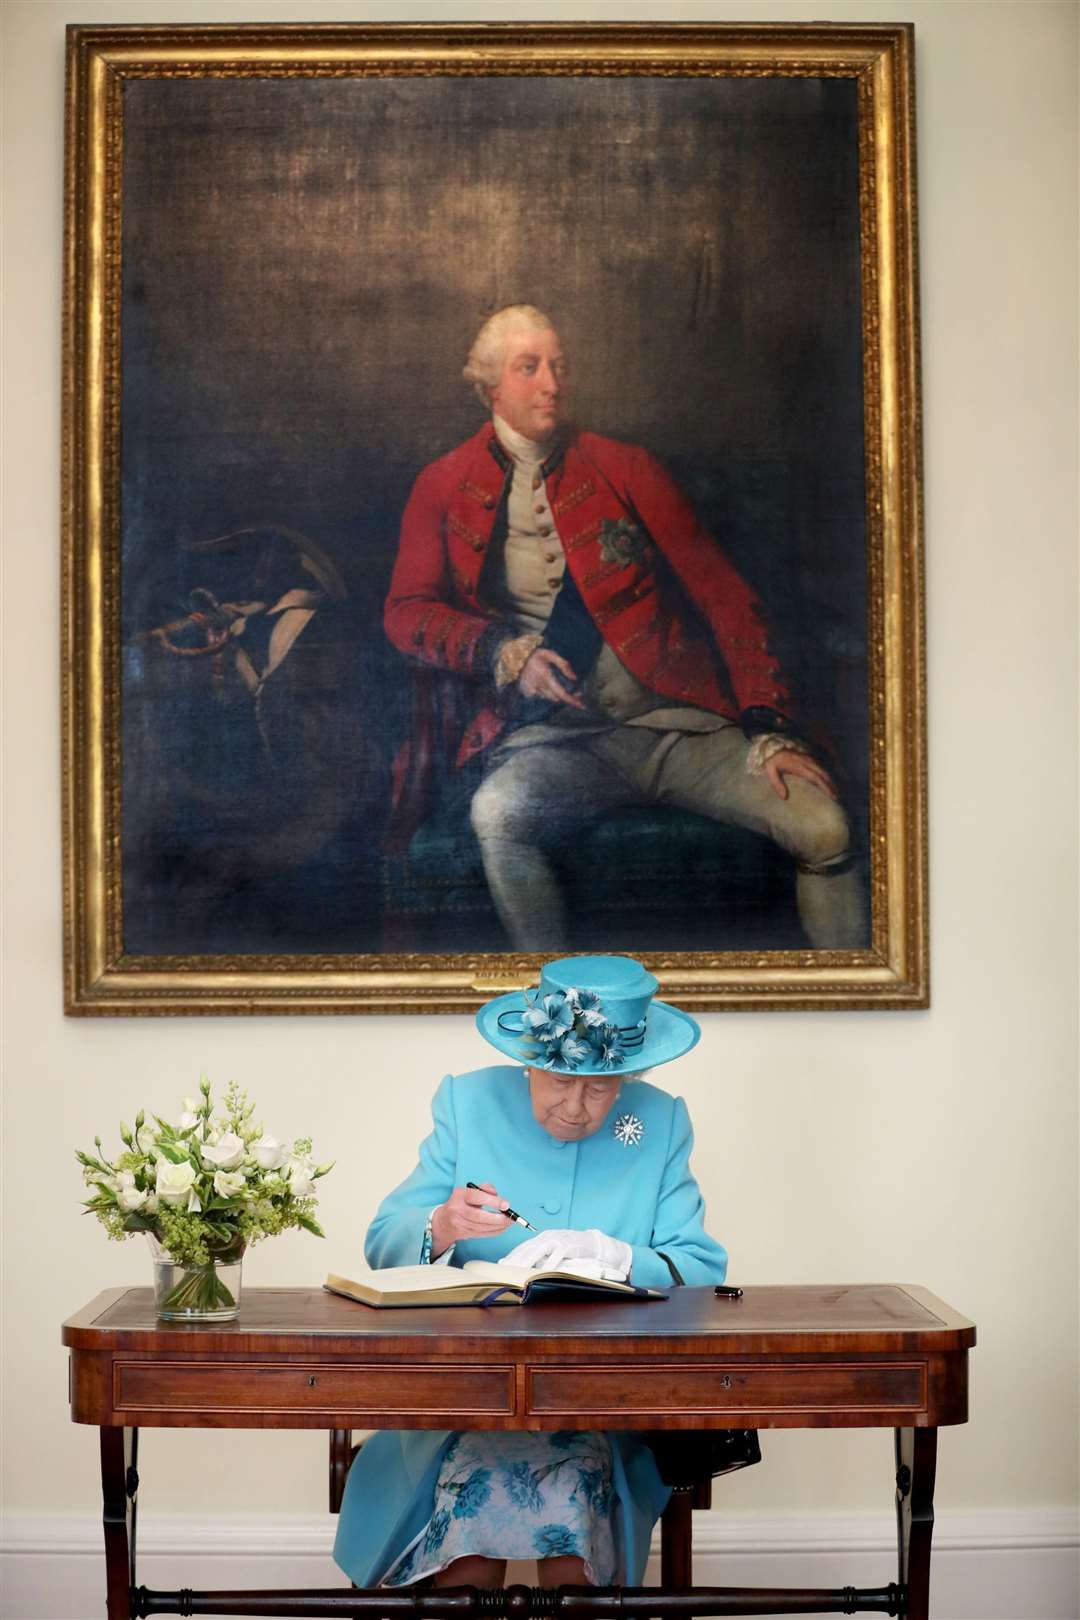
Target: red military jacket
[636, 551]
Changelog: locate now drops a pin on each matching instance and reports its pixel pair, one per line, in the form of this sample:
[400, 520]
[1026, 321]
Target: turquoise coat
[484, 1130]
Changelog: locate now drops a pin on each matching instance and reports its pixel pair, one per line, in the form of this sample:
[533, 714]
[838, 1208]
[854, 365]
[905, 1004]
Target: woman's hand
[548, 1250]
[464, 1216]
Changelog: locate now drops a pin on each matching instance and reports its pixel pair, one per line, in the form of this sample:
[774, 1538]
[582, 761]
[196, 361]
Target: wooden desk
[794, 1357]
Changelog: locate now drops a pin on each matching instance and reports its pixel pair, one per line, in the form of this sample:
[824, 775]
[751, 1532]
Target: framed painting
[492, 515]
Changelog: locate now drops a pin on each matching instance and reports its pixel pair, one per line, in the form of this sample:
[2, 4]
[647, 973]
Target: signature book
[478, 1282]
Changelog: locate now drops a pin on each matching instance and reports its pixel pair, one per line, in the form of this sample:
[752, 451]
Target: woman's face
[571, 1107]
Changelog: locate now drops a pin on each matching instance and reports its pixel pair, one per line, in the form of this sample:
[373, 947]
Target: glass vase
[185, 1291]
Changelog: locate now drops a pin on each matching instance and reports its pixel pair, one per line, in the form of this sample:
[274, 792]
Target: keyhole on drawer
[725, 1382]
[312, 1381]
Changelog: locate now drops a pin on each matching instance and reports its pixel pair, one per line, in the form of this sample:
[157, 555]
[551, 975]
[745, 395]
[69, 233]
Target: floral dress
[520, 1496]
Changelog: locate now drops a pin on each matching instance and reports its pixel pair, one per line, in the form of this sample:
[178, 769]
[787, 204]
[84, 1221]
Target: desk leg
[119, 1486]
[916, 1462]
[676, 1539]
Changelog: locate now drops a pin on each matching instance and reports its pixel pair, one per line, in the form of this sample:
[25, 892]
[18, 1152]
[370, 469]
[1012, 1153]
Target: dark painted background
[305, 265]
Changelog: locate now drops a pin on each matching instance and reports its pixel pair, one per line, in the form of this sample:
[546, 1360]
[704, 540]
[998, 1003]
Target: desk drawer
[638, 1390]
[185, 1386]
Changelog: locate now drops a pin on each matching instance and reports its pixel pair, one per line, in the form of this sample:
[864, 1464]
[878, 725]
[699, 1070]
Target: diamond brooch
[629, 1130]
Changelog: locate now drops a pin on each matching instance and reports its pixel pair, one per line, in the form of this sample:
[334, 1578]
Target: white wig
[484, 366]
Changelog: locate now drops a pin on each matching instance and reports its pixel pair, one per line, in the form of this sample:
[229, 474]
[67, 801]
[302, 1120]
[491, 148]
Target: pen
[518, 1220]
[725, 1291]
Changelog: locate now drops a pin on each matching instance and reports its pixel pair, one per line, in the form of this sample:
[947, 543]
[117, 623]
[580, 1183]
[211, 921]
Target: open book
[478, 1282]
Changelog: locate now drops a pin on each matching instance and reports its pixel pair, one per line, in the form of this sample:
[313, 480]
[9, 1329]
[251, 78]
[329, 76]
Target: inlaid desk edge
[750, 1324]
[302, 1358]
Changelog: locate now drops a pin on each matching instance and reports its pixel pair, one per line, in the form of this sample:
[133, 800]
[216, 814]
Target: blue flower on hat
[570, 1053]
[595, 1032]
[551, 1021]
[586, 1003]
[589, 1015]
[611, 1051]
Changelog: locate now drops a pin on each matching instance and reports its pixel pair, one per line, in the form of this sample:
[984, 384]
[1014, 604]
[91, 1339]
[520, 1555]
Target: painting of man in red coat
[612, 655]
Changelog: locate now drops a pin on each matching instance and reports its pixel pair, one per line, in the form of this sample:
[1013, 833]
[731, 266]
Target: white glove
[548, 1251]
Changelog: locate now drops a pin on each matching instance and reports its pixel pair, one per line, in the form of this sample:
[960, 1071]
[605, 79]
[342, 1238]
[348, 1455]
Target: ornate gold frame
[98, 978]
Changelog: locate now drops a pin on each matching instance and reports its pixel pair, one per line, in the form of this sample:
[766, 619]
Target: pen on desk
[512, 1214]
[725, 1291]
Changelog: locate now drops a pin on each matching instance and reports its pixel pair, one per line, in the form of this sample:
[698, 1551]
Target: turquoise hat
[589, 1015]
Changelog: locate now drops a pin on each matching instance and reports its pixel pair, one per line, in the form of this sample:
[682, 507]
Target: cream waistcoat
[533, 567]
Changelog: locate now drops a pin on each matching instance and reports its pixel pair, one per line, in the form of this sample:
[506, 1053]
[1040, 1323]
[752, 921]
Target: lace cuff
[513, 656]
[763, 748]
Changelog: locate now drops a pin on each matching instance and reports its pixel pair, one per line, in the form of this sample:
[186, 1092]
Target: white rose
[176, 1183]
[117, 1182]
[187, 1120]
[128, 1196]
[150, 1207]
[300, 1183]
[227, 1183]
[226, 1153]
[145, 1137]
[268, 1152]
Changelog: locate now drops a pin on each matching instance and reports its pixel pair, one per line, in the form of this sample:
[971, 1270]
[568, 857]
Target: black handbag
[684, 1456]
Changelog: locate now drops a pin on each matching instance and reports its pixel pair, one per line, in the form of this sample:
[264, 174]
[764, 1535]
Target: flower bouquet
[203, 1190]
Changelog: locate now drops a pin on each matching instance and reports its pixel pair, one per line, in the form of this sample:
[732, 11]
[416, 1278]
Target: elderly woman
[578, 1143]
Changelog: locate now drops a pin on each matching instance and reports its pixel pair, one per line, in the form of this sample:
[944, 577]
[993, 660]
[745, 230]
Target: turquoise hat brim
[669, 1033]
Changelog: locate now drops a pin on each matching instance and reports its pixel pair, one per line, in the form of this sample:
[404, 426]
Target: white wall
[940, 1147]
